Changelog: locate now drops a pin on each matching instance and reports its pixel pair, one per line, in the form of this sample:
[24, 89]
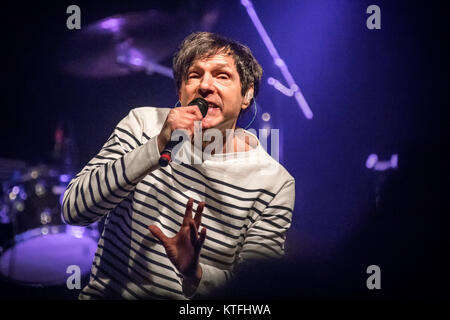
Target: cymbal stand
[293, 89]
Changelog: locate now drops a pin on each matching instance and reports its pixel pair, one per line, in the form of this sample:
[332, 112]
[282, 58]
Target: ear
[248, 98]
[179, 97]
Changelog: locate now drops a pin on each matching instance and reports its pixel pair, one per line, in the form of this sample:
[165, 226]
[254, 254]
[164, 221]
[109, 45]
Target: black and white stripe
[246, 214]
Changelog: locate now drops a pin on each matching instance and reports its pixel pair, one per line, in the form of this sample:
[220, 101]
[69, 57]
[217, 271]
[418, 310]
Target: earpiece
[248, 96]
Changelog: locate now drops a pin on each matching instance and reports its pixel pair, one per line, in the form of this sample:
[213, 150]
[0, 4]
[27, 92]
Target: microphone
[166, 155]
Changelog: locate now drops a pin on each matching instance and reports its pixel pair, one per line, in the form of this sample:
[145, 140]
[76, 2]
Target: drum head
[43, 259]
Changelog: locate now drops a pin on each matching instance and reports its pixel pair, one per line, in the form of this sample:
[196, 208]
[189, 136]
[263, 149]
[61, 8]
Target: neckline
[236, 155]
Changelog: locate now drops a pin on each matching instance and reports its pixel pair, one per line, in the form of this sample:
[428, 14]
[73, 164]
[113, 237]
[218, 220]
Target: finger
[188, 212]
[198, 214]
[199, 244]
[194, 234]
[194, 110]
[157, 233]
[188, 117]
[188, 123]
[182, 120]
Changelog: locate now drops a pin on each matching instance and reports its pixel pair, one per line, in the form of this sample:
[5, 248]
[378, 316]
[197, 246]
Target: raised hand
[183, 249]
[181, 118]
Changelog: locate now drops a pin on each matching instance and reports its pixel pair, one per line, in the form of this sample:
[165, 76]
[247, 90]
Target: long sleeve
[112, 174]
[265, 239]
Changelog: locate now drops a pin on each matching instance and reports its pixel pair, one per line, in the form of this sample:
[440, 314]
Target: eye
[193, 75]
[223, 76]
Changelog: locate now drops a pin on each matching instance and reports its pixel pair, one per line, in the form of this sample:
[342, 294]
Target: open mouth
[213, 109]
[212, 105]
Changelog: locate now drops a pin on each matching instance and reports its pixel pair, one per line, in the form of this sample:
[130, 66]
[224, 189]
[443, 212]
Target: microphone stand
[293, 89]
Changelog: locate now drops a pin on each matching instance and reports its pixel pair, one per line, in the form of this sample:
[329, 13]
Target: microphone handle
[166, 155]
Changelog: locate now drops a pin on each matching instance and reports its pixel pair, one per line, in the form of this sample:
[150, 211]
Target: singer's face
[217, 80]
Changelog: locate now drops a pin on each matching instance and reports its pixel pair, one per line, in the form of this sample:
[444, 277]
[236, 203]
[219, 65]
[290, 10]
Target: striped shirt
[249, 203]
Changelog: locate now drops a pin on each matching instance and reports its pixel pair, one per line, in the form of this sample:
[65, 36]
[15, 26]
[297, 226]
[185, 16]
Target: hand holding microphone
[179, 118]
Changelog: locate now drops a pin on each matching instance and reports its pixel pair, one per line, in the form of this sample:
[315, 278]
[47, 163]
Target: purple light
[64, 178]
[382, 165]
[155, 67]
[136, 57]
[76, 231]
[283, 89]
[111, 24]
[23, 195]
[277, 59]
[265, 116]
[136, 61]
[303, 104]
[280, 87]
[279, 62]
[61, 199]
[394, 161]
[132, 57]
[41, 256]
[371, 161]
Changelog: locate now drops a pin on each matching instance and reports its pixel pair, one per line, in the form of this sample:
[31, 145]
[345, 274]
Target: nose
[206, 86]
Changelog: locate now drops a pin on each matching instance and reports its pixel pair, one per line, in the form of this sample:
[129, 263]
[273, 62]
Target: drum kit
[39, 247]
[132, 42]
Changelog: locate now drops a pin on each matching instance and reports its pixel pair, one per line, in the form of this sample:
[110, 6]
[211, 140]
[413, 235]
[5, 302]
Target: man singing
[182, 231]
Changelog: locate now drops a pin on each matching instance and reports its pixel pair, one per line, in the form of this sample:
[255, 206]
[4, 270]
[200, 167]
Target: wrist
[194, 280]
[190, 283]
[196, 277]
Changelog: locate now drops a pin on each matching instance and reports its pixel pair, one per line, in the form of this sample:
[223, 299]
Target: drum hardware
[42, 246]
[132, 42]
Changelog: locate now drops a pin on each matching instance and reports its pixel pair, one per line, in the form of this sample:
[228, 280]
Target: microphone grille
[202, 105]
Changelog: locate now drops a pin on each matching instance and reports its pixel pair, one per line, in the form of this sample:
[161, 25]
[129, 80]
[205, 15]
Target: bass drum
[42, 251]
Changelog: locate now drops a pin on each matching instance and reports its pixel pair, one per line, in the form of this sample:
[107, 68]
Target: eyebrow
[216, 66]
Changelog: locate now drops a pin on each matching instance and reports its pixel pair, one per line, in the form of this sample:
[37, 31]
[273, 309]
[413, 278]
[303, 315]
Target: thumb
[157, 233]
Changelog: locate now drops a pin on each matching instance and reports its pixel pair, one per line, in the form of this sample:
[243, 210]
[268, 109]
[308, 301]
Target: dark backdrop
[371, 91]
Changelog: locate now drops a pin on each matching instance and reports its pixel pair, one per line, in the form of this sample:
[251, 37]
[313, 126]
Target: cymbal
[104, 48]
